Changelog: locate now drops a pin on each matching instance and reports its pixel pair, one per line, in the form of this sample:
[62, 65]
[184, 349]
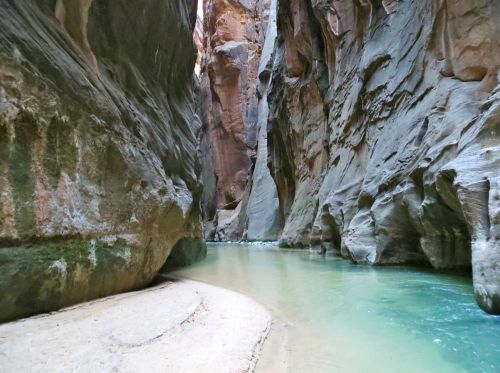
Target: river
[334, 316]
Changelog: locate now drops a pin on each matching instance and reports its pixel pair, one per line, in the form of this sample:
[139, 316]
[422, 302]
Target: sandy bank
[182, 326]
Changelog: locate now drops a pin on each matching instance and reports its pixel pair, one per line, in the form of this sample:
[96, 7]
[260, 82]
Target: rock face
[98, 162]
[263, 204]
[234, 35]
[384, 132]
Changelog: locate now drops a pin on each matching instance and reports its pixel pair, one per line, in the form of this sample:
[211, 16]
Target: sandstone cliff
[235, 122]
[98, 163]
[384, 132]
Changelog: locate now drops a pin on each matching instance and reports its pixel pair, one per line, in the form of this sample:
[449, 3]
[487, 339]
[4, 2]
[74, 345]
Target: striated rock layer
[232, 116]
[98, 161]
[384, 132]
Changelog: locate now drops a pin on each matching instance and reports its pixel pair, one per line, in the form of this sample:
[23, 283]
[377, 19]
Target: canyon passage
[356, 143]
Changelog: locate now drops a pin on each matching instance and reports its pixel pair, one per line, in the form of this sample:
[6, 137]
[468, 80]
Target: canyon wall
[384, 133]
[234, 121]
[98, 153]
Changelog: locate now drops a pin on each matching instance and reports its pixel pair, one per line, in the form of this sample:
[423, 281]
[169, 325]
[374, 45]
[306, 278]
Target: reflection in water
[349, 318]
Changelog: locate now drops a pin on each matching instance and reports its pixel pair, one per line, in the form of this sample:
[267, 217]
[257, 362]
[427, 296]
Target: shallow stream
[334, 316]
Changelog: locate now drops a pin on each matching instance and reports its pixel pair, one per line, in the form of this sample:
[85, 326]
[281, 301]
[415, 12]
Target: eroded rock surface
[232, 117]
[384, 132]
[98, 161]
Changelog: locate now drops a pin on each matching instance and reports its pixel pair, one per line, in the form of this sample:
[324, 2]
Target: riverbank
[179, 326]
[330, 315]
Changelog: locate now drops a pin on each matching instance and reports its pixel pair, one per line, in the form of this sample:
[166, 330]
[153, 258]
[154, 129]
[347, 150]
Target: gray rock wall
[263, 205]
[384, 132]
[98, 160]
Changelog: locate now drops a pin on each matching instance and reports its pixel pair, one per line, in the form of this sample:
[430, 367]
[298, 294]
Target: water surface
[334, 316]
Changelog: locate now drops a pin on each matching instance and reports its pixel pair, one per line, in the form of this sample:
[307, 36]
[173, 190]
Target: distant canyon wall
[240, 198]
[384, 133]
[99, 174]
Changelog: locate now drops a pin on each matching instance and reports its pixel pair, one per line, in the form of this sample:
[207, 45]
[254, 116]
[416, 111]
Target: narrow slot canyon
[325, 130]
[249, 185]
[240, 200]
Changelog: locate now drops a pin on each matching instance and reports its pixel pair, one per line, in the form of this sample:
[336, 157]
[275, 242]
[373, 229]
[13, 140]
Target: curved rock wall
[98, 162]
[384, 132]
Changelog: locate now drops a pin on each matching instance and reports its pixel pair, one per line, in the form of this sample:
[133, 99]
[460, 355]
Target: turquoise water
[334, 316]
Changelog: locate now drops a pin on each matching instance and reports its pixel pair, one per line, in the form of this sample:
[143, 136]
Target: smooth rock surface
[384, 133]
[188, 327]
[263, 205]
[98, 162]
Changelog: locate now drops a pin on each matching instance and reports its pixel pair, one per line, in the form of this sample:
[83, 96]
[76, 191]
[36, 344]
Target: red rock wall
[234, 34]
